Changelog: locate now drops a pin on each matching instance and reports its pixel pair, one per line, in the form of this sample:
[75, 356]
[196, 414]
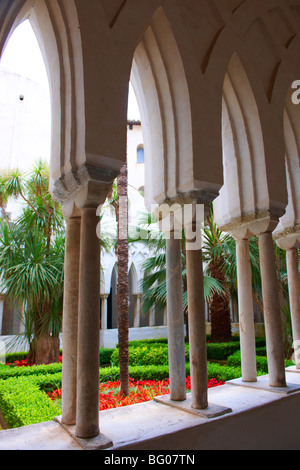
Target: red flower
[140, 391]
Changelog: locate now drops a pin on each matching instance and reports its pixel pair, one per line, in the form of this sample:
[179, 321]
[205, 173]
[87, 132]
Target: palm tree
[32, 261]
[118, 198]
[123, 287]
[154, 284]
[219, 251]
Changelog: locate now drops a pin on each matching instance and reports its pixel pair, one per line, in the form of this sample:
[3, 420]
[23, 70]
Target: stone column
[70, 320]
[197, 329]
[246, 314]
[152, 317]
[87, 424]
[272, 311]
[294, 293]
[175, 320]
[165, 316]
[104, 311]
[137, 311]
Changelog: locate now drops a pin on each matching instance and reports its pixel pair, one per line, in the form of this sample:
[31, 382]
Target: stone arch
[112, 310]
[162, 87]
[158, 86]
[246, 190]
[56, 28]
[134, 278]
[289, 224]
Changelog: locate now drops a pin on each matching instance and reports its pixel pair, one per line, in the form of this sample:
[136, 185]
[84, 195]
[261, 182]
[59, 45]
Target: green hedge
[104, 356]
[23, 399]
[22, 402]
[262, 362]
[7, 372]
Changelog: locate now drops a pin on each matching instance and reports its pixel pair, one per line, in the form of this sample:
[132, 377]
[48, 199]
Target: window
[140, 154]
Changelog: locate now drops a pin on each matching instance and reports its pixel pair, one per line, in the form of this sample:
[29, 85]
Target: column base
[212, 411]
[99, 442]
[263, 384]
[293, 369]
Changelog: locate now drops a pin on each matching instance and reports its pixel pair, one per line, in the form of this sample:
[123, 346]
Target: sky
[23, 56]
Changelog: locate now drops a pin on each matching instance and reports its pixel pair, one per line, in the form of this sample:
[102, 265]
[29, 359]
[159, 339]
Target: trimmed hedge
[23, 403]
[262, 362]
[215, 371]
[104, 356]
[23, 390]
[23, 399]
[7, 372]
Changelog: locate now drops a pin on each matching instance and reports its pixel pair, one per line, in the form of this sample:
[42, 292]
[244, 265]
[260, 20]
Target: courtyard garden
[31, 394]
[32, 275]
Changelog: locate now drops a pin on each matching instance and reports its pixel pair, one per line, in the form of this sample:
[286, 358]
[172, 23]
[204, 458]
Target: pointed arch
[134, 278]
[56, 27]
[246, 190]
[162, 87]
[290, 222]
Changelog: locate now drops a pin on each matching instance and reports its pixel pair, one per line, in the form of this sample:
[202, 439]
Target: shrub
[261, 362]
[143, 356]
[7, 372]
[105, 356]
[23, 403]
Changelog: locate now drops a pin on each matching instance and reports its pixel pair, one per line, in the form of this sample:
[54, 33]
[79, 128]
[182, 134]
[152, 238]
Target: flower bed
[24, 363]
[140, 392]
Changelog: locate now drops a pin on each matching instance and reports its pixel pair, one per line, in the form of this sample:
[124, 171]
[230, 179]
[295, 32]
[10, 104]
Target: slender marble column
[197, 329]
[152, 317]
[294, 292]
[87, 424]
[137, 311]
[246, 315]
[175, 321]
[272, 312]
[104, 311]
[70, 320]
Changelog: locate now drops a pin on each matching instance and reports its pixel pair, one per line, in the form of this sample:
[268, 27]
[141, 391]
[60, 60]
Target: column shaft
[152, 317]
[104, 312]
[246, 315]
[197, 329]
[70, 320]
[175, 321]
[137, 311]
[272, 312]
[294, 292]
[87, 424]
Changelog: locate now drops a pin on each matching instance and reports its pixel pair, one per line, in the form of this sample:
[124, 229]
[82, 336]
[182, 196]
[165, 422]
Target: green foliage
[261, 361]
[23, 403]
[105, 356]
[144, 355]
[32, 251]
[7, 372]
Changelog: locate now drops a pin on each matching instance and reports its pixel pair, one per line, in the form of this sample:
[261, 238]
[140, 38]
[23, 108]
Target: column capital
[288, 241]
[246, 226]
[104, 296]
[139, 295]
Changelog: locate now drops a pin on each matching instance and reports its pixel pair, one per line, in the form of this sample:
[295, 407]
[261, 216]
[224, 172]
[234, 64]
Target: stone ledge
[263, 384]
[293, 369]
[212, 411]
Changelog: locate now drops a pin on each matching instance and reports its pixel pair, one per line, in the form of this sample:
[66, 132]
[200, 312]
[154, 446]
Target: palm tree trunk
[123, 289]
